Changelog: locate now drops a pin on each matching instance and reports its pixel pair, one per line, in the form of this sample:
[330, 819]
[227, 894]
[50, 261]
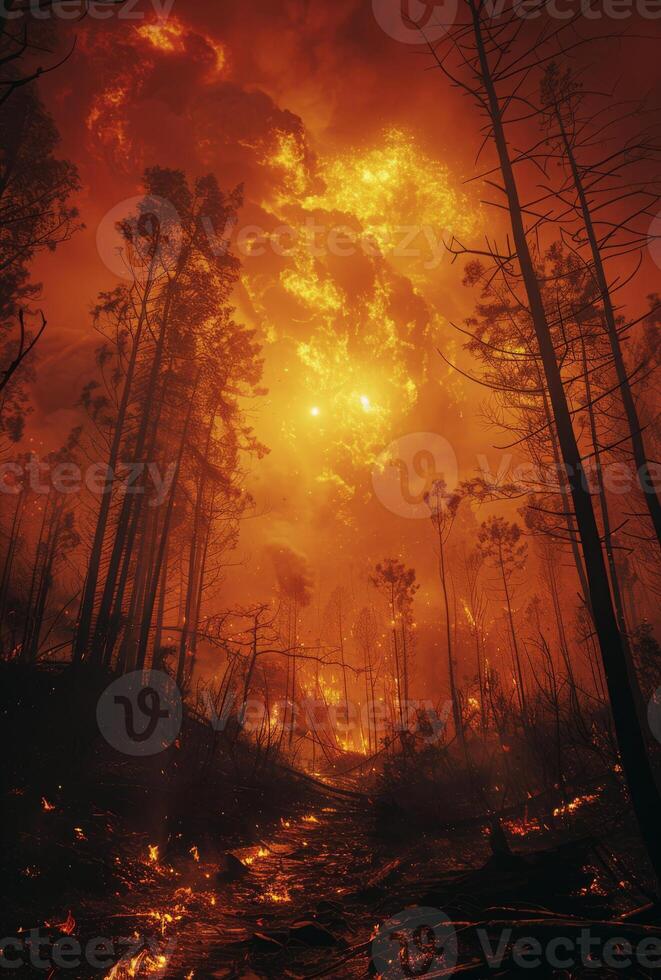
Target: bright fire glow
[167, 35]
[277, 896]
[357, 350]
[393, 185]
[170, 36]
[575, 804]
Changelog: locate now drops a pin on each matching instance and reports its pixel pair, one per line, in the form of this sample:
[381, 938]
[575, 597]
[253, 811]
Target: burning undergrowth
[82, 821]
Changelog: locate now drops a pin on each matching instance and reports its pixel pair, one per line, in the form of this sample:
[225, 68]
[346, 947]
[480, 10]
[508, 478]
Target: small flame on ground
[68, 926]
[141, 965]
[523, 826]
[277, 896]
[575, 804]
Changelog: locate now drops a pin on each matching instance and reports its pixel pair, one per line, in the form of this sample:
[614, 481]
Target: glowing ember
[153, 853]
[575, 804]
[273, 895]
[163, 919]
[145, 963]
[46, 806]
[469, 614]
[68, 926]
[596, 888]
[523, 826]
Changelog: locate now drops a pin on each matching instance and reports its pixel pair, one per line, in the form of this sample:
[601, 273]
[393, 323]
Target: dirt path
[304, 901]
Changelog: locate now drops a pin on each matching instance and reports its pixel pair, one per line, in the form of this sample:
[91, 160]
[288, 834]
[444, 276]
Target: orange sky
[323, 117]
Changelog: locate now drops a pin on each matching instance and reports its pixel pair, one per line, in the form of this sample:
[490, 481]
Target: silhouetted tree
[398, 585]
[490, 59]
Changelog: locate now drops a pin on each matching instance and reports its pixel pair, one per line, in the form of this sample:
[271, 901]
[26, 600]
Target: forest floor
[303, 895]
[181, 867]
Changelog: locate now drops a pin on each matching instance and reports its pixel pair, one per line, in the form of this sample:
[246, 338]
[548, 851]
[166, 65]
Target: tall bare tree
[492, 59]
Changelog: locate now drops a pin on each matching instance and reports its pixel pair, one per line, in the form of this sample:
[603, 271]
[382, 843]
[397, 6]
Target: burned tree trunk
[642, 786]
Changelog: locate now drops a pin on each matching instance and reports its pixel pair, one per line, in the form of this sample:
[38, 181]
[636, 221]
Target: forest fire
[276, 897]
[166, 35]
[396, 180]
[145, 963]
[330, 513]
[523, 826]
[172, 37]
[67, 927]
[573, 805]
